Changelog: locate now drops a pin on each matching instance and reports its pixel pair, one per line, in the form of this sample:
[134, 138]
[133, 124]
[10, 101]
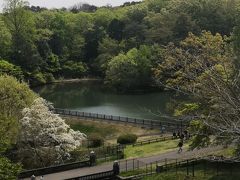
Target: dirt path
[108, 166]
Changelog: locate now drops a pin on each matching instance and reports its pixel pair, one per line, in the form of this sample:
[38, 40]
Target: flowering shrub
[45, 138]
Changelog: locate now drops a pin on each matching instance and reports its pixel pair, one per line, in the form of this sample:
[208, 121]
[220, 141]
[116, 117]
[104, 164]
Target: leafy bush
[74, 69]
[49, 77]
[127, 139]
[37, 78]
[95, 140]
[10, 69]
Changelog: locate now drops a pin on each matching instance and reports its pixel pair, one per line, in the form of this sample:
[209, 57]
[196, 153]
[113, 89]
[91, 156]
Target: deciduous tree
[45, 138]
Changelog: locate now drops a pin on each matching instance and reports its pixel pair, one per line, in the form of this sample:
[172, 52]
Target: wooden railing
[163, 125]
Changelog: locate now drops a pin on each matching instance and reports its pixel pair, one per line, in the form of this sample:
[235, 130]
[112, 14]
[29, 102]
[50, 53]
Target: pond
[92, 96]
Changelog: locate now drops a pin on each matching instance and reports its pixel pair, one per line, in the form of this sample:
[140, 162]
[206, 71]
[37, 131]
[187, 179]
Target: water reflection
[93, 97]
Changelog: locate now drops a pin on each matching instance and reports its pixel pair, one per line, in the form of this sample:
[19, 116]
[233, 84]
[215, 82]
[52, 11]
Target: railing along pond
[163, 125]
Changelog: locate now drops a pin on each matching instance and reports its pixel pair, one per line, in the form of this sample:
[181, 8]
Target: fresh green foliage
[124, 69]
[49, 44]
[73, 69]
[8, 170]
[14, 96]
[10, 69]
[182, 63]
[5, 39]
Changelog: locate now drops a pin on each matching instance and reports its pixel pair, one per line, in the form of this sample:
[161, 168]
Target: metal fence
[202, 167]
[54, 169]
[154, 140]
[102, 153]
[163, 125]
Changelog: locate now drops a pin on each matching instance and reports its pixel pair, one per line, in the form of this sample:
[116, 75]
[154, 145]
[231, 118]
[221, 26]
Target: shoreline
[75, 80]
[67, 81]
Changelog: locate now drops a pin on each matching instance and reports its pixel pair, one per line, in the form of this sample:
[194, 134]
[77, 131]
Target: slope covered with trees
[90, 41]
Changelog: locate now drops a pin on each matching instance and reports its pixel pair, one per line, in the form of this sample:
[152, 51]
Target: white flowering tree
[45, 138]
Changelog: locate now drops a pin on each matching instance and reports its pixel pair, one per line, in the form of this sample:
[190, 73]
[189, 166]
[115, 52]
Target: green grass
[183, 176]
[151, 149]
[226, 152]
[181, 173]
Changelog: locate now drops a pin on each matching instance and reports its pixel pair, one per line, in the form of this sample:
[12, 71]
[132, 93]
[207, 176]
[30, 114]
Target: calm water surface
[91, 96]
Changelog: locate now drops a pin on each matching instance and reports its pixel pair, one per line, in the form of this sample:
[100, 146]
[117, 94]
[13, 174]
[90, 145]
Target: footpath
[108, 166]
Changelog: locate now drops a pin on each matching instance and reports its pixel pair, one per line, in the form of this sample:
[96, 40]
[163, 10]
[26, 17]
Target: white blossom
[43, 131]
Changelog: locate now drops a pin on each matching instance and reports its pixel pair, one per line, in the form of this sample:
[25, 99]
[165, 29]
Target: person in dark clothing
[116, 168]
[180, 145]
[92, 158]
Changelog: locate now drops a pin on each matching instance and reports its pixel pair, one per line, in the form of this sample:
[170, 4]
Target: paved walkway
[130, 163]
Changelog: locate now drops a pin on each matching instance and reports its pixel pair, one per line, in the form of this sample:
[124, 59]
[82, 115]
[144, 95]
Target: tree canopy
[44, 42]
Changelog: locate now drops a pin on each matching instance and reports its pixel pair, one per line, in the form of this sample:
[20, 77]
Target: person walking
[33, 177]
[41, 178]
[116, 168]
[180, 145]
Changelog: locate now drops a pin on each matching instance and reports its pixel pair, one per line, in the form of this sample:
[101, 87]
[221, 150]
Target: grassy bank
[152, 149]
[108, 130]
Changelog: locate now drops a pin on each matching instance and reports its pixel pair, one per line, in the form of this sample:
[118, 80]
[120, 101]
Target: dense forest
[123, 45]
